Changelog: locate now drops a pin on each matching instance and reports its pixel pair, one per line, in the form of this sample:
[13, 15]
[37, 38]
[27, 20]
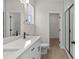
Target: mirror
[12, 24]
[16, 15]
[11, 18]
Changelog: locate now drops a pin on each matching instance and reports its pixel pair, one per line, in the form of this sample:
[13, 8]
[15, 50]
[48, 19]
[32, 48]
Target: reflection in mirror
[13, 24]
[16, 16]
[30, 14]
[11, 18]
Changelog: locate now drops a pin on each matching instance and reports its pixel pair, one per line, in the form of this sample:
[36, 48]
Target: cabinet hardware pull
[33, 58]
[32, 49]
[38, 48]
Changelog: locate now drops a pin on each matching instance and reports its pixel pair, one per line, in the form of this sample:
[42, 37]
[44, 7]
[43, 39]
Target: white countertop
[10, 39]
[19, 46]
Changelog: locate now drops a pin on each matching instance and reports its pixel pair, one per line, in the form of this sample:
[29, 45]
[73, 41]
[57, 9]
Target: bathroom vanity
[28, 48]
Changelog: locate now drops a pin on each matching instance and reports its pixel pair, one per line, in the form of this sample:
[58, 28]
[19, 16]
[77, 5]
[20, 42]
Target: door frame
[69, 29]
[60, 36]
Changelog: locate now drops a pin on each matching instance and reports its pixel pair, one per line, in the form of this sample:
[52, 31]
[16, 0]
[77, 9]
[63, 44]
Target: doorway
[55, 51]
[54, 26]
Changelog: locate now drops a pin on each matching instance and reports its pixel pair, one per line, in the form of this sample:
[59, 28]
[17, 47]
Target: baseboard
[61, 46]
[54, 38]
[68, 54]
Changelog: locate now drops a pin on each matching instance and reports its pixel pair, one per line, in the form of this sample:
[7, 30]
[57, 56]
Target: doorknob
[32, 49]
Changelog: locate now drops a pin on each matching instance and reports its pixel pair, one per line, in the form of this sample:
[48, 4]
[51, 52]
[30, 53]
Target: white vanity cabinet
[25, 55]
[35, 51]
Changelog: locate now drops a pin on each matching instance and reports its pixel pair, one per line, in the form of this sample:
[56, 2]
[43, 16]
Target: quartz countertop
[19, 46]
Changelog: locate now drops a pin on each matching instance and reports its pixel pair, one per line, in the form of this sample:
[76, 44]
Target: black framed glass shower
[69, 30]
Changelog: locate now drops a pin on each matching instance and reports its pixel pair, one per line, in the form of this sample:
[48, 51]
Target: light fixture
[24, 1]
[27, 1]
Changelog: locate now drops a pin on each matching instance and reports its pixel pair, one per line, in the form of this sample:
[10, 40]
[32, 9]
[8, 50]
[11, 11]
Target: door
[69, 22]
[71, 31]
[54, 25]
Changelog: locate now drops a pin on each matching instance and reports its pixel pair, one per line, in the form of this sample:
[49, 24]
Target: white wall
[29, 29]
[42, 10]
[54, 25]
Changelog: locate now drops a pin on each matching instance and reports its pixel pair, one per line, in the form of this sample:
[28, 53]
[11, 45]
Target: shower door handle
[10, 29]
[59, 29]
[73, 42]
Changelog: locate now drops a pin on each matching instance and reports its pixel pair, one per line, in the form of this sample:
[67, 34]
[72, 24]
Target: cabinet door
[33, 54]
[35, 51]
[25, 55]
[38, 52]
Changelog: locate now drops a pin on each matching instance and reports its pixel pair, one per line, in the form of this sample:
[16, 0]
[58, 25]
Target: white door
[54, 25]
